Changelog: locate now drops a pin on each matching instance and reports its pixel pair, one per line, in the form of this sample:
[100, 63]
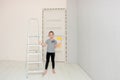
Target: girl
[51, 44]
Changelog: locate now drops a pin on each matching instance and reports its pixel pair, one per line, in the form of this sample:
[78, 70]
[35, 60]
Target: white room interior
[93, 30]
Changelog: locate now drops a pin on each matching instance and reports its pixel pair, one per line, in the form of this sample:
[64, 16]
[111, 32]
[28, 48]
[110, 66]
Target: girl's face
[51, 35]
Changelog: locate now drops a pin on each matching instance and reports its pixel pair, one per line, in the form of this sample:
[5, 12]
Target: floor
[15, 70]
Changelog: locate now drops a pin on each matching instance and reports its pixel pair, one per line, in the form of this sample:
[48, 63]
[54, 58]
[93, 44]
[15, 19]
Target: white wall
[99, 38]
[14, 16]
[72, 31]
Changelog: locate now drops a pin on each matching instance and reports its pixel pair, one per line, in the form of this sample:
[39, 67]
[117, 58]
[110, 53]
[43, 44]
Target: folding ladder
[34, 60]
[33, 57]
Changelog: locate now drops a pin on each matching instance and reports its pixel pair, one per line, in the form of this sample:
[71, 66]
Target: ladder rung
[33, 50]
[33, 53]
[36, 50]
[34, 62]
[39, 71]
[30, 52]
[33, 44]
[33, 36]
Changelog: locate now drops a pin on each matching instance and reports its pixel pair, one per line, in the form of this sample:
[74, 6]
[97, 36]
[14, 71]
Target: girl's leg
[53, 61]
[47, 60]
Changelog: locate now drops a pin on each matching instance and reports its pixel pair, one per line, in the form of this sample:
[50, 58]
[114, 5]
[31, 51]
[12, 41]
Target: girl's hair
[51, 32]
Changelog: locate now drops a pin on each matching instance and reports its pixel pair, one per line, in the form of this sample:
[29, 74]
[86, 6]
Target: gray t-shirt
[51, 45]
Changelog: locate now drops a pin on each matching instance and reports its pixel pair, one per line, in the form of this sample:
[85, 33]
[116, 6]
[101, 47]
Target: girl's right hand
[39, 42]
[42, 44]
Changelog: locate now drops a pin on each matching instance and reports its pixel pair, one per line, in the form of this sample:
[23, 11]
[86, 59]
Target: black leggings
[52, 59]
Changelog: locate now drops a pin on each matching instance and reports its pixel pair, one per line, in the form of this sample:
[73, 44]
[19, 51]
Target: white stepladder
[34, 60]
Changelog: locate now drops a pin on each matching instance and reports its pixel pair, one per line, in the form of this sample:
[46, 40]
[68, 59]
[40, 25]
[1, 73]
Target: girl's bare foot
[45, 72]
[53, 71]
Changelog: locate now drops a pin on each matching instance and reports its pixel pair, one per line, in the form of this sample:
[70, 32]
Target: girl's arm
[58, 44]
[42, 44]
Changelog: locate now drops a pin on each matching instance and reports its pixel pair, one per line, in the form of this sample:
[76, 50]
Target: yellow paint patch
[59, 38]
